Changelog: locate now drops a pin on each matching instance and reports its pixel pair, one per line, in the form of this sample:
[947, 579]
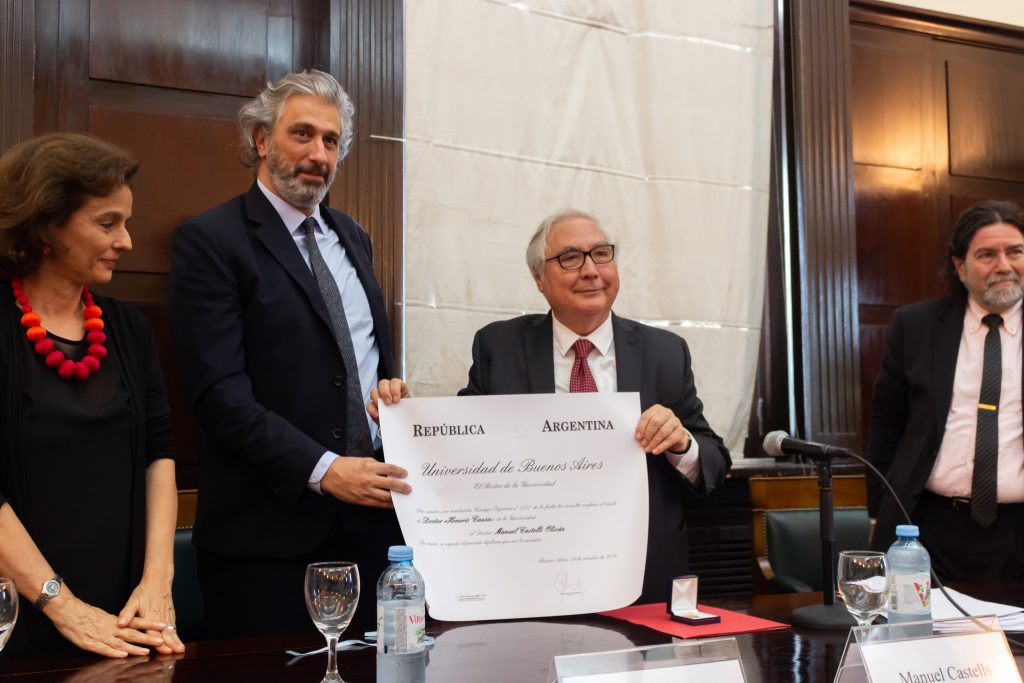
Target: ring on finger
[172, 628]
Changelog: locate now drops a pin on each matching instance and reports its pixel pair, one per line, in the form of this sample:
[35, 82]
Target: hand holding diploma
[522, 506]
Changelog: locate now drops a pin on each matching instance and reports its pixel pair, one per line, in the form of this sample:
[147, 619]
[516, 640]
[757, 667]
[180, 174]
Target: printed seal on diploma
[522, 506]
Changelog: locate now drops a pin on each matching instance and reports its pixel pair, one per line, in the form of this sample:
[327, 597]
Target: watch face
[51, 587]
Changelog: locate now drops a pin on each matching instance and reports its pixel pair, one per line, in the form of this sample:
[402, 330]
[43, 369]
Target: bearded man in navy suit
[280, 332]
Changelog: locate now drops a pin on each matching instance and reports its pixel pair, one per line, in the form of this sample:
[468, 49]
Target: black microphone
[779, 443]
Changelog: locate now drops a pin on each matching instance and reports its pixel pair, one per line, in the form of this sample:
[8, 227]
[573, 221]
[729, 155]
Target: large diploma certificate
[522, 506]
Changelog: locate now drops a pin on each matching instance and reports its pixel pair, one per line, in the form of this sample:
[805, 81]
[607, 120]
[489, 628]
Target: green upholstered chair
[188, 600]
[793, 540]
[786, 534]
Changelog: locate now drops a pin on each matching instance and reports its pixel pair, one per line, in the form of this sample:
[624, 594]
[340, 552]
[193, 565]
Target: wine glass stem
[332, 656]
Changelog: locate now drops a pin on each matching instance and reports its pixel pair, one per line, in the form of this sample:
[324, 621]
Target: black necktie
[986, 443]
[357, 434]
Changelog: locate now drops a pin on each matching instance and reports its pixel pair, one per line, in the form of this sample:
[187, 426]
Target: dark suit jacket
[515, 357]
[266, 380]
[910, 406]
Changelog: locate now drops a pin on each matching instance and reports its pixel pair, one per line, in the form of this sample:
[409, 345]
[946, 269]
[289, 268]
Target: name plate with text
[982, 657]
[720, 672]
[698, 661]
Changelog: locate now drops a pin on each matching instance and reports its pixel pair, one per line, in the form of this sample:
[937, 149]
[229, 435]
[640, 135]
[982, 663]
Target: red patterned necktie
[580, 379]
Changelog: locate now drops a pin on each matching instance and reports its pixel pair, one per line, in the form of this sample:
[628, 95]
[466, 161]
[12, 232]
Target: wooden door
[936, 127]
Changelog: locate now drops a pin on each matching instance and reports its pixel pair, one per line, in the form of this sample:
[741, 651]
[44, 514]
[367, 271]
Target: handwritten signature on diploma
[566, 586]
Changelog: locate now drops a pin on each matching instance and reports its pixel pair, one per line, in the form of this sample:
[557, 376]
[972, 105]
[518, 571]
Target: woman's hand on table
[151, 603]
[92, 629]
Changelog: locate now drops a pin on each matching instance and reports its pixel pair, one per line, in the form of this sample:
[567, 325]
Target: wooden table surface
[480, 652]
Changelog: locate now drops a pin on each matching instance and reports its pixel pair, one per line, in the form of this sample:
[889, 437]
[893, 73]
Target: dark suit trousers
[961, 549]
[249, 596]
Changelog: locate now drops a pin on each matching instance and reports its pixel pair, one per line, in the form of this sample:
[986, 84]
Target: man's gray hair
[263, 111]
[539, 241]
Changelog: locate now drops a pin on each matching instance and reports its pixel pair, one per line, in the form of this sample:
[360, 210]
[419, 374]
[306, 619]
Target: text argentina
[446, 429]
[577, 425]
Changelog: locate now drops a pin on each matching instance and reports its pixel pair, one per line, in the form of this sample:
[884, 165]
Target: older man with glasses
[582, 346]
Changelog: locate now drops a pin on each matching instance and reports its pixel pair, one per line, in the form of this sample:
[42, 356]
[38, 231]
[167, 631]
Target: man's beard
[288, 185]
[1005, 296]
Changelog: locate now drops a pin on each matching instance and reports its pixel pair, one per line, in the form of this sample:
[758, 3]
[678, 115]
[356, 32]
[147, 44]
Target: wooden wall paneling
[188, 164]
[819, 33]
[958, 203]
[221, 47]
[47, 71]
[937, 24]
[312, 33]
[17, 46]
[986, 125]
[899, 249]
[367, 56]
[890, 97]
[73, 58]
[279, 47]
[145, 99]
[958, 190]
[784, 493]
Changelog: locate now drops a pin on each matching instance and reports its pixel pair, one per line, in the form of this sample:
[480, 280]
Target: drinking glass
[332, 593]
[863, 583]
[8, 608]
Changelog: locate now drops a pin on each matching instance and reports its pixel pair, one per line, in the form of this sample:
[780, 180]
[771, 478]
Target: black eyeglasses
[573, 259]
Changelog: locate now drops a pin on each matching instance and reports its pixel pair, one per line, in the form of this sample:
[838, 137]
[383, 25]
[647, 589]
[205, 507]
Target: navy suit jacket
[264, 375]
[515, 357]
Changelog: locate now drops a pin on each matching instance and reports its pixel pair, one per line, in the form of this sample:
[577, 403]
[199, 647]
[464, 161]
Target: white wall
[654, 115]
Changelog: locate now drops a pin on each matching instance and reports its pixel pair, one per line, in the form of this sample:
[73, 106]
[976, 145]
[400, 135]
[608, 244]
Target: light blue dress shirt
[357, 307]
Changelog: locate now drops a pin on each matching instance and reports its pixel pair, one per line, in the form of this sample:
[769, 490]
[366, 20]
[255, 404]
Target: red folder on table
[656, 617]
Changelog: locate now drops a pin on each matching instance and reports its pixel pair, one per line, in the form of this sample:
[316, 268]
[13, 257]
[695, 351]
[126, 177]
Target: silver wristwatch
[51, 589]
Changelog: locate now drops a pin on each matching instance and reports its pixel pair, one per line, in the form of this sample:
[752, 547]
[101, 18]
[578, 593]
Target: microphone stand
[829, 615]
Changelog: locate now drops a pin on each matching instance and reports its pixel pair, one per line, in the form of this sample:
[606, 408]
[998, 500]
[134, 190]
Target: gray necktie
[357, 434]
[986, 446]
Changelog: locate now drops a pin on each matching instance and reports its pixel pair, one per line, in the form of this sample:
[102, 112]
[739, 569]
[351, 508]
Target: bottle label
[410, 629]
[911, 593]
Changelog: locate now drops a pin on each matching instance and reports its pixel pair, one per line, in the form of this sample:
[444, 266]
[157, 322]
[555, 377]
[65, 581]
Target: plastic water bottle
[400, 613]
[400, 620]
[910, 569]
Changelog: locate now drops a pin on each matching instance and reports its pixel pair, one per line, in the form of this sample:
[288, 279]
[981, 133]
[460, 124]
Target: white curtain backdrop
[652, 114]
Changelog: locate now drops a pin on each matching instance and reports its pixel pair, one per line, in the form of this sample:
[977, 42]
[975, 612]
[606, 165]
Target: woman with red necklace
[88, 499]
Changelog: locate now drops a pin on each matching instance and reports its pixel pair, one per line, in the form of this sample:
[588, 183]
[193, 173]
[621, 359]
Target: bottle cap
[907, 531]
[403, 553]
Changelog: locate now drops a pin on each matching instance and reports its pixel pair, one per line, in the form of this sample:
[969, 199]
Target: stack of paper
[1010, 618]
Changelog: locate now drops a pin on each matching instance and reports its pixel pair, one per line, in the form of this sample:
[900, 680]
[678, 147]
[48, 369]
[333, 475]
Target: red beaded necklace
[36, 334]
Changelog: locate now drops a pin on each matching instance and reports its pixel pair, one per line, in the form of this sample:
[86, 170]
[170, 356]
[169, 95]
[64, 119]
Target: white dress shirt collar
[602, 338]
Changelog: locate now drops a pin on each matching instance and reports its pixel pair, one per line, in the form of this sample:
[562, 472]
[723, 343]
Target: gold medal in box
[683, 605]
